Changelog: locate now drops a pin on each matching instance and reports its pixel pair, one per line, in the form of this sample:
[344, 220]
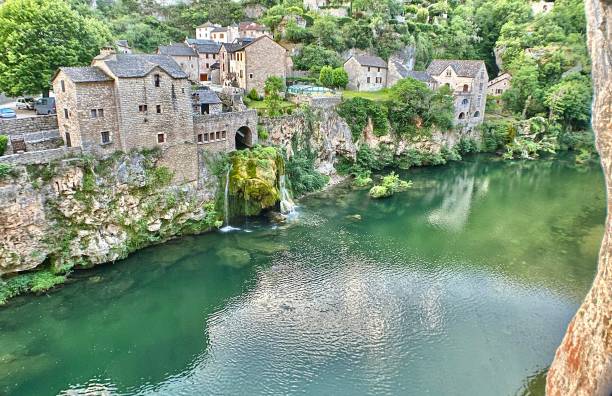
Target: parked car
[7, 113]
[25, 103]
[45, 106]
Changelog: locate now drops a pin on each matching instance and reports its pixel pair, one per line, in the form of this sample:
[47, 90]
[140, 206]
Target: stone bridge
[226, 132]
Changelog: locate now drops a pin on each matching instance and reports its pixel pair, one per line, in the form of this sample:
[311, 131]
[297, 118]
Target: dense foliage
[390, 185]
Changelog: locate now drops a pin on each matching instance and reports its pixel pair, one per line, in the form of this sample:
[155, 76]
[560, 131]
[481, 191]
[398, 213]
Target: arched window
[476, 114]
[466, 87]
[464, 101]
[461, 115]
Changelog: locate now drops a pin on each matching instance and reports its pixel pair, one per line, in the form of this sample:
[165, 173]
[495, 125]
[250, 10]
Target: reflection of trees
[535, 384]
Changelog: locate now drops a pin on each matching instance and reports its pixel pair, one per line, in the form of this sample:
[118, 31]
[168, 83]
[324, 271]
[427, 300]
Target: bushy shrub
[389, 186]
[302, 175]
[357, 112]
[467, 146]
[3, 144]
[5, 171]
[253, 95]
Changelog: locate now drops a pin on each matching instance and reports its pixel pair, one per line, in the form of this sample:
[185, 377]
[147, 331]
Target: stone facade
[217, 132]
[248, 64]
[366, 73]
[499, 84]
[468, 80]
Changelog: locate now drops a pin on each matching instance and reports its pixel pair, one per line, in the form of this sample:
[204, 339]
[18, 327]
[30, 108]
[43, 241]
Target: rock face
[85, 212]
[583, 362]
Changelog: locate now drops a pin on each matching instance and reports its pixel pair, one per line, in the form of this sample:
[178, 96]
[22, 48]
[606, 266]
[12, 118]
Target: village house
[128, 101]
[366, 73]
[203, 32]
[247, 63]
[208, 57]
[252, 30]
[123, 47]
[185, 56]
[468, 80]
[499, 84]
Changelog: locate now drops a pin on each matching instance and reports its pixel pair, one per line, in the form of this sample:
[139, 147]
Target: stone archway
[244, 138]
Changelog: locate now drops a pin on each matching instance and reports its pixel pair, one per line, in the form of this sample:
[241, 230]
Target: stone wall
[19, 126]
[264, 58]
[40, 157]
[214, 125]
[583, 362]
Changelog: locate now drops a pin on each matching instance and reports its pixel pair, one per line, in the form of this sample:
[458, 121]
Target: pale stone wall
[205, 62]
[190, 65]
[96, 96]
[264, 58]
[359, 75]
[215, 124]
[499, 87]
[17, 126]
[40, 157]
[67, 100]
[583, 362]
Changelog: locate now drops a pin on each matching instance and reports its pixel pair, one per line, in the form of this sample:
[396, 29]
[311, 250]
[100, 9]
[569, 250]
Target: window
[100, 112]
[465, 101]
[66, 113]
[368, 80]
[182, 90]
[158, 109]
[461, 116]
[368, 68]
[206, 138]
[200, 138]
[157, 79]
[94, 113]
[223, 135]
[449, 73]
[218, 134]
[476, 114]
[206, 58]
[142, 108]
[498, 91]
[105, 137]
[240, 73]
[207, 66]
[466, 88]
[378, 70]
[68, 141]
[212, 136]
[63, 85]
[221, 35]
[250, 75]
[161, 138]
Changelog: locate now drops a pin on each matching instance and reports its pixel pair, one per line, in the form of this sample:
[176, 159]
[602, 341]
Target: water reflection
[462, 285]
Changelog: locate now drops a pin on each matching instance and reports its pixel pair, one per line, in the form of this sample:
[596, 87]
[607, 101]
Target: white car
[25, 104]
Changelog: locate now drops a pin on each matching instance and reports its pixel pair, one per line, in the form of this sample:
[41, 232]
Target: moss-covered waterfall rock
[254, 179]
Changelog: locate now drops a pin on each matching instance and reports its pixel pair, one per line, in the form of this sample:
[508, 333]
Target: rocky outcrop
[583, 362]
[83, 212]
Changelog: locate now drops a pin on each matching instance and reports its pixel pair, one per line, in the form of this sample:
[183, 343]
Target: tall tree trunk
[583, 362]
[45, 93]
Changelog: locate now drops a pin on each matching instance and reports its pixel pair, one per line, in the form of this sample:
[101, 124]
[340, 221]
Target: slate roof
[239, 44]
[206, 96]
[84, 74]
[219, 29]
[463, 68]
[123, 43]
[499, 78]
[420, 75]
[206, 24]
[209, 48]
[139, 65]
[368, 60]
[176, 50]
[251, 26]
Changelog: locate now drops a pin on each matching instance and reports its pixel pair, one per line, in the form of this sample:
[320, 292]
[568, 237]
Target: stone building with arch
[124, 102]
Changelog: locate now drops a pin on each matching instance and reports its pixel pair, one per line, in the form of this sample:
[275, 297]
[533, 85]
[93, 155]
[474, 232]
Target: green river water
[463, 285]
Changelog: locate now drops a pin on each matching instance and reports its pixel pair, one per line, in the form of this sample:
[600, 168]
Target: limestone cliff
[583, 362]
[83, 212]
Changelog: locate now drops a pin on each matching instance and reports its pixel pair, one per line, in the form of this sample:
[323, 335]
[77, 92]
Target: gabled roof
[123, 43]
[84, 74]
[206, 96]
[207, 24]
[252, 26]
[178, 49]
[368, 60]
[463, 68]
[499, 78]
[208, 48]
[139, 65]
[239, 44]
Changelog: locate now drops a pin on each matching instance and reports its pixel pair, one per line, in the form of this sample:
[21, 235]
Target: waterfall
[226, 218]
[286, 203]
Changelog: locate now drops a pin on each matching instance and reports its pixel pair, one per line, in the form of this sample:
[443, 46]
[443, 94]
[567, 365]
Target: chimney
[106, 52]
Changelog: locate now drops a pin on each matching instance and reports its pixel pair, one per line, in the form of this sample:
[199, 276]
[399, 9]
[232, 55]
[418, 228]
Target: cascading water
[287, 205]
[226, 218]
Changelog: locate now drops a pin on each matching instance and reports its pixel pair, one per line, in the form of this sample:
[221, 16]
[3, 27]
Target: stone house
[366, 73]
[185, 56]
[208, 59]
[203, 32]
[247, 63]
[499, 84]
[468, 80]
[225, 34]
[123, 47]
[126, 101]
[541, 7]
[252, 30]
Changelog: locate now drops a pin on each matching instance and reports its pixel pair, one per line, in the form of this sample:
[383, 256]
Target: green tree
[326, 76]
[340, 77]
[313, 57]
[39, 36]
[326, 32]
[570, 102]
[273, 87]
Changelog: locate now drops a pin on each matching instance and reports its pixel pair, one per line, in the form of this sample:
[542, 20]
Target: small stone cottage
[185, 56]
[499, 84]
[366, 73]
